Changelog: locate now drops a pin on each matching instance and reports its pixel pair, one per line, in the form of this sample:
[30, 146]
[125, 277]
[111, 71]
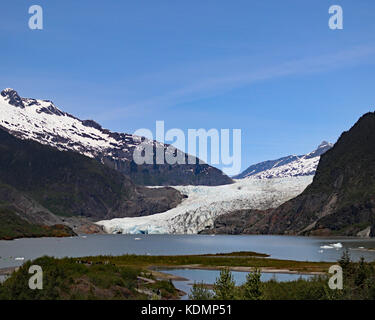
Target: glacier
[204, 203]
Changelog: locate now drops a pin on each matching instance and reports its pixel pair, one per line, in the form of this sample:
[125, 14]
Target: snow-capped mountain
[290, 166]
[204, 204]
[42, 121]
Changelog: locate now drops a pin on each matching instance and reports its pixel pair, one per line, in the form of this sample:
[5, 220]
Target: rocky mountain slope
[44, 186]
[236, 222]
[341, 198]
[42, 121]
[21, 216]
[289, 166]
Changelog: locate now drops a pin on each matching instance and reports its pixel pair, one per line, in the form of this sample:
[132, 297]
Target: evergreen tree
[252, 289]
[224, 286]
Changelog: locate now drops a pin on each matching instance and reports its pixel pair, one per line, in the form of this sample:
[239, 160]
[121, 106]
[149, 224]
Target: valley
[58, 171]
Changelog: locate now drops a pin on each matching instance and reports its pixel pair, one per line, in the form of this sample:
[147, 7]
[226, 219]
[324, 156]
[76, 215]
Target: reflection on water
[209, 277]
[280, 247]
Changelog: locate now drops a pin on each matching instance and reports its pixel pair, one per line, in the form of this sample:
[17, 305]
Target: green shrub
[200, 292]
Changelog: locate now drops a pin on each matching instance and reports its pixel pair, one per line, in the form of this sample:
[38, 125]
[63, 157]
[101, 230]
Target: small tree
[224, 286]
[252, 289]
[361, 274]
[346, 263]
[200, 292]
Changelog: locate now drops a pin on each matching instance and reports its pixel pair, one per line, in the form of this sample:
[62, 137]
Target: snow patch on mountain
[42, 121]
[290, 166]
[299, 167]
[204, 204]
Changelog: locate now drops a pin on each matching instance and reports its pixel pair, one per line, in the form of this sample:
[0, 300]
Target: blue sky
[271, 68]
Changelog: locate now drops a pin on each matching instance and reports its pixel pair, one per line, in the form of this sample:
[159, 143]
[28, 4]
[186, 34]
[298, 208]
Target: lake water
[280, 247]
[209, 277]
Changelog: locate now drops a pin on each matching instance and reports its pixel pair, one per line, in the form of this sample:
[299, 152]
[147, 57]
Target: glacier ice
[205, 203]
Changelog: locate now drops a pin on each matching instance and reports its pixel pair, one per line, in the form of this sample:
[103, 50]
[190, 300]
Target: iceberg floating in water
[326, 247]
[337, 245]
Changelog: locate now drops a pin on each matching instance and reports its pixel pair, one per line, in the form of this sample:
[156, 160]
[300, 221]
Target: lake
[209, 277]
[279, 247]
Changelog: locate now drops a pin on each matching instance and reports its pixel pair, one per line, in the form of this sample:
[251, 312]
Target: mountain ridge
[42, 121]
[287, 166]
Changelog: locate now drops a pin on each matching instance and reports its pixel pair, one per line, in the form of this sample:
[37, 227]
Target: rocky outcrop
[12, 97]
[236, 222]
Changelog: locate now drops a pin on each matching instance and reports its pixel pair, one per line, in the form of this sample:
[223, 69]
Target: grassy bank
[232, 260]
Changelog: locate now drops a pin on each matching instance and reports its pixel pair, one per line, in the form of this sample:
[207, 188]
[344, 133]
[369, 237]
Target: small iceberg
[137, 238]
[326, 247]
[321, 251]
[337, 245]
[19, 258]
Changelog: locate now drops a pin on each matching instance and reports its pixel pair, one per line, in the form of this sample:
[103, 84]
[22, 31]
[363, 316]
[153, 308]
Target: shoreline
[164, 271]
[7, 271]
[80, 234]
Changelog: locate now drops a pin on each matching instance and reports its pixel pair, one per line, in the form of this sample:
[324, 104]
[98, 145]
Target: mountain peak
[322, 148]
[12, 97]
[325, 144]
[7, 91]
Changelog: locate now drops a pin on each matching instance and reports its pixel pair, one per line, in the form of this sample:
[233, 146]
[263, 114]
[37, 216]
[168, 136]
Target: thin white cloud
[214, 85]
